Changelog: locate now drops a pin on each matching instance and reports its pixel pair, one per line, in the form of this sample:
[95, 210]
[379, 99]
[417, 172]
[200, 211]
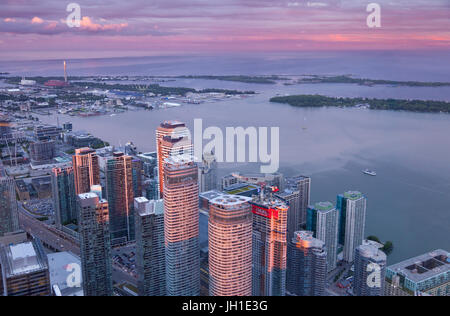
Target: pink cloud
[37, 20]
[87, 24]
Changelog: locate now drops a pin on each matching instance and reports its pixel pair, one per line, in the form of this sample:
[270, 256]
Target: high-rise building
[24, 270]
[207, 173]
[42, 151]
[427, 274]
[120, 197]
[86, 169]
[323, 221]
[136, 167]
[307, 269]
[64, 197]
[302, 185]
[9, 218]
[352, 221]
[370, 271]
[172, 139]
[95, 243]
[230, 246]
[181, 226]
[150, 248]
[269, 245]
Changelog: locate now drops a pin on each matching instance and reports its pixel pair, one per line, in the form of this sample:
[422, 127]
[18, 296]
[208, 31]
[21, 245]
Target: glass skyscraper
[64, 197]
[307, 269]
[120, 196]
[269, 245]
[181, 226]
[95, 243]
[150, 248]
[9, 220]
[352, 221]
[323, 221]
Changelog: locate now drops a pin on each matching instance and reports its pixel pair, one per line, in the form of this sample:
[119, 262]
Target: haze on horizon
[36, 29]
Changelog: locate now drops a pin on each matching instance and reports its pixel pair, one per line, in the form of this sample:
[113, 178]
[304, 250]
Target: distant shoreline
[368, 82]
[373, 104]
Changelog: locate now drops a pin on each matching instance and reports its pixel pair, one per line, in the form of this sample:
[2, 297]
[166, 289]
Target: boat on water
[370, 172]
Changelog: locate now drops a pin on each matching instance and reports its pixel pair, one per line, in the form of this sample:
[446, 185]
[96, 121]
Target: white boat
[370, 172]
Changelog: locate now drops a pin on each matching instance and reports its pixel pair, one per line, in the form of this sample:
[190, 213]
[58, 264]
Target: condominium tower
[95, 243]
[352, 221]
[181, 226]
[172, 139]
[86, 169]
[120, 197]
[307, 269]
[370, 271]
[269, 245]
[9, 221]
[64, 197]
[323, 221]
[150, 248]
[230, 246]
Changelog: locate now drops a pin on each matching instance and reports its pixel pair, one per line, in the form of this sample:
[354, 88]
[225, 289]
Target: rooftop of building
[22, 259]
[424, 266]
[225, 199]
[61, 266]
[153, 207]
[307, 240]
[373, 252]
[172, 124]
[353, 195]
[323, 206]
[84, 151]
[268, 201]
[239, 188]
[179, 161]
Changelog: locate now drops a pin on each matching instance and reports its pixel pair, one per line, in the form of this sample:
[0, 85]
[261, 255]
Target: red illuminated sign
[266, 212]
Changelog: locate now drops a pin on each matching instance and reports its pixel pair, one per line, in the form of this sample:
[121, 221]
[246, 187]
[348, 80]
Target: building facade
[9, 217]
[86, 169]
[42, 151]
[323, 221]
[150, 248]
[230, 246]
[181, 226]
[307, 269]
[352, 221]
[120, 197]
[64, 196]
[24, 270]
[207, 173]
[269, 244]
[427, 274]
[177, 142]
[95, 243]
[370, 271]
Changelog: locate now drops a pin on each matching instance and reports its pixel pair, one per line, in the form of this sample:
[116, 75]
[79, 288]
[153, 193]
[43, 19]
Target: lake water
[409, 200]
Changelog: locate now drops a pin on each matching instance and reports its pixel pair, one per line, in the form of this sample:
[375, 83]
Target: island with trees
[306, 100]
[368, 82]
